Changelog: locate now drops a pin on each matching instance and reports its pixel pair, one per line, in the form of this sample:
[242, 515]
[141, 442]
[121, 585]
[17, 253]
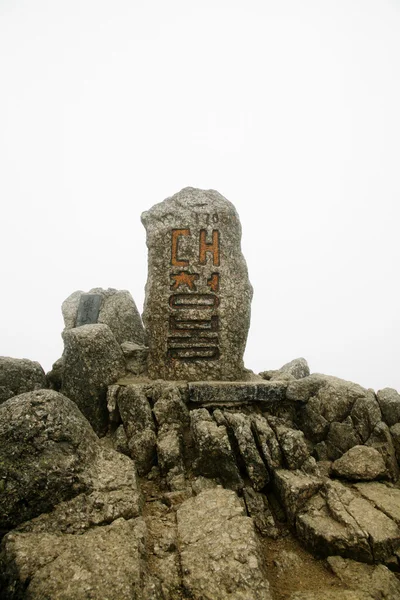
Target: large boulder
[45, 447]
[103, 562]
[365, 415]
[85, 538]
[341, 437]
[116, 308]
[294, 489]
[336, 396]
[112, 492]
[325, 402]
[19, 375]
[198, 295]
[92, 360]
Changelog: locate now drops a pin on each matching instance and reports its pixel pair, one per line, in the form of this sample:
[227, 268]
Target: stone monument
[198, 295]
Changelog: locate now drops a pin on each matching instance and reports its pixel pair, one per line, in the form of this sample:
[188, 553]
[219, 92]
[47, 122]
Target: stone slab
[88, 309]
[387, 499]
[236, 392]
[219, 549]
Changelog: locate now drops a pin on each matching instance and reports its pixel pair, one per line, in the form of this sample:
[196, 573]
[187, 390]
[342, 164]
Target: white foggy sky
[289, 108]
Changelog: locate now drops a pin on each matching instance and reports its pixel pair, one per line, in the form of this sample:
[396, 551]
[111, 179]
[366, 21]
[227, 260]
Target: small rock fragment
[259, 510]
[241, 428]
[294, 489]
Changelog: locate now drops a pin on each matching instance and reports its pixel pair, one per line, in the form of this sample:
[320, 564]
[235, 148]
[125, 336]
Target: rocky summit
[150, 464]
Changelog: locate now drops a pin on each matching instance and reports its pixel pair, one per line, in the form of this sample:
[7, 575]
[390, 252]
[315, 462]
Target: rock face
[117, 309]
[112, 492]
[89, 523]
[85, 538]
[91, 546]
[338, 521]
[45, 445]
[92, 360]
[197, 306]
[19, 375]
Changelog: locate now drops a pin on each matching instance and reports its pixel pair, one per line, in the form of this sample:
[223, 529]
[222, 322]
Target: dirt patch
[290, 568]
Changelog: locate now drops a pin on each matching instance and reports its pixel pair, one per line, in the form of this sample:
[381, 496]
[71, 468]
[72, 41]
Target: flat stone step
[217, 393]
[220, 552]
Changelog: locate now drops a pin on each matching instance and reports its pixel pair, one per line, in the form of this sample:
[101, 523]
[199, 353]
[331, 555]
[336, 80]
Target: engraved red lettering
[213, 247]
[175, 260]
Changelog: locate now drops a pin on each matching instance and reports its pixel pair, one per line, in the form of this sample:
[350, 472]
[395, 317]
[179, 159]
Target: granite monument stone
[198, 295]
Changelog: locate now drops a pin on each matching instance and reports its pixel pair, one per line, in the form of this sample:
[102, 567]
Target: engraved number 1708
[207, 218]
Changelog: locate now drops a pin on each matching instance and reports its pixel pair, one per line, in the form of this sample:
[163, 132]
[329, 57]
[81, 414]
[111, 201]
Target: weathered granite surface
[198, 295]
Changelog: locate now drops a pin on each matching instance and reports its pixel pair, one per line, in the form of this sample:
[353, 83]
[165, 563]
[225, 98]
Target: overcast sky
[289, 108]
